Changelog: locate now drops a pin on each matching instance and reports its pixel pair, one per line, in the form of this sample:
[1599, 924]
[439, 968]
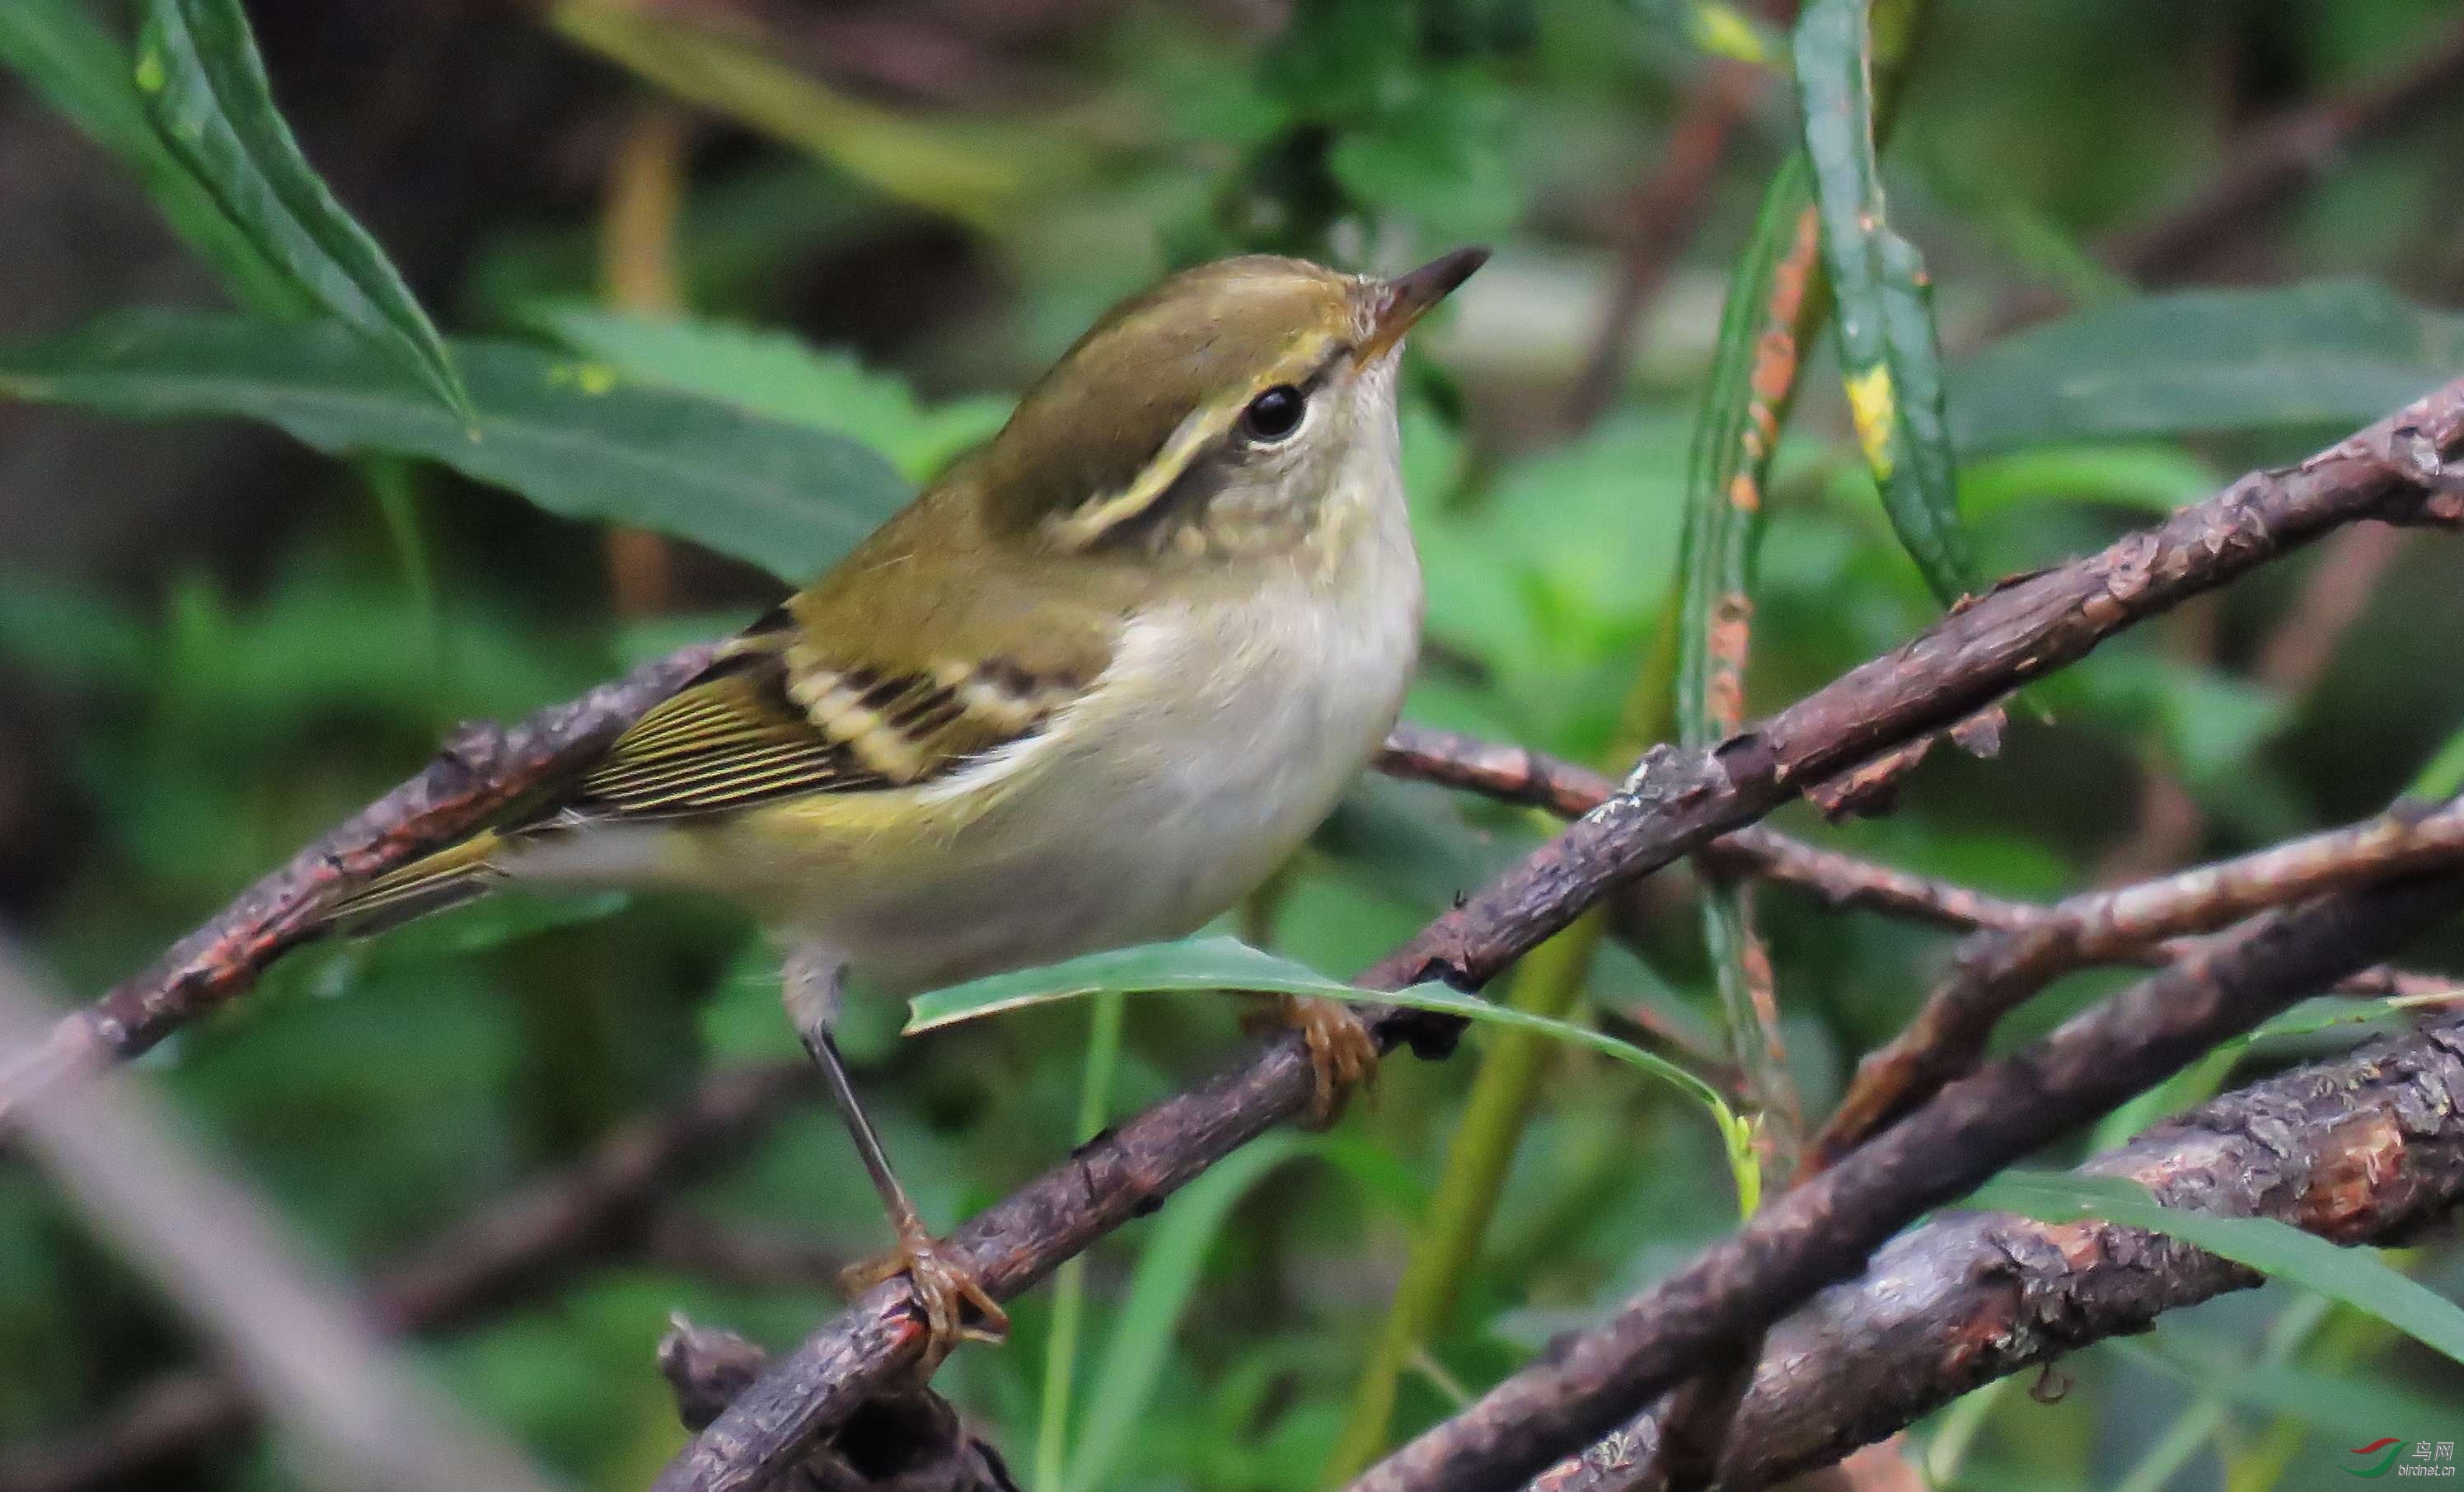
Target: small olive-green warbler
[1088, 689]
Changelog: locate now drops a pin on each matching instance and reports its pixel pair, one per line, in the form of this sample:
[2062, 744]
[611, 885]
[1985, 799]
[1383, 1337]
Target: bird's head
[1216, 412]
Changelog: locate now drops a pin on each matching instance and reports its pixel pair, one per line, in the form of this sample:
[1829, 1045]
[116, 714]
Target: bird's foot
[1343, 1055]
[956, 1305]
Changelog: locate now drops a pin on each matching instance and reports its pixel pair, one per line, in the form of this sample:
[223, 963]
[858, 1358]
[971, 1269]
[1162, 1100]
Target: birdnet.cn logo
[2390, 1456]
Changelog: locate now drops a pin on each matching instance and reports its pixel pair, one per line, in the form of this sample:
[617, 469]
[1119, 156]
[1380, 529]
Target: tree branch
[1678, 803]
[910, 1443]
[2366, 1148]
[1534, 779]
[1995, 972]
[481, 771]
[1591, 1383]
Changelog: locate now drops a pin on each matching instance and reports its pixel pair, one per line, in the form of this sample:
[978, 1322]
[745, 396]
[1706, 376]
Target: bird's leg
[956, 1306]
[1343, 1055]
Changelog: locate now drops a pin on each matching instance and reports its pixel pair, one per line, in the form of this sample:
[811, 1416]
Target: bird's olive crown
[1212, 361]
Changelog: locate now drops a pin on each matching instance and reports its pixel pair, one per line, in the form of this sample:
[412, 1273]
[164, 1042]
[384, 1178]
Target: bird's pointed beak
[1407, 298]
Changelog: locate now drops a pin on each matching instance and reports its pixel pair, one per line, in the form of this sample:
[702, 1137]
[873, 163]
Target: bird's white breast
[1222, 735]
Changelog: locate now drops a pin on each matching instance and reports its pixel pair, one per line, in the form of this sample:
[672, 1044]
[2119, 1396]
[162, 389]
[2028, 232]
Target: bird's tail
[448, 877]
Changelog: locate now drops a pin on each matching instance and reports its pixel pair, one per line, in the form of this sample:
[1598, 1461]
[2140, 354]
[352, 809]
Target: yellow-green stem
[1545, 983]
[2346, 1340]
[1548, 982]
[1070, 1284]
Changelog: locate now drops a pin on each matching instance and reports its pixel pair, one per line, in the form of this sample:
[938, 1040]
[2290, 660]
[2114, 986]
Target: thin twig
[1678, 803]
[1595, 1381]
[908, 1443]
[483, 770]
[1995, 972]
[1534, 779]
[1520, 776]
[2366, 1148]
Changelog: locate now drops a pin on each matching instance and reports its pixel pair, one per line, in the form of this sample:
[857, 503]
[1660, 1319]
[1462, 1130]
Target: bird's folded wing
[778, 716]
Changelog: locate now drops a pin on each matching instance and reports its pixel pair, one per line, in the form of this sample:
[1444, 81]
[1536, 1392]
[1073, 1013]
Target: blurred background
[217, 643]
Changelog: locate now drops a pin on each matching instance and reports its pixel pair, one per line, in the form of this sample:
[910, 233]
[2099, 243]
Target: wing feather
[765, 723]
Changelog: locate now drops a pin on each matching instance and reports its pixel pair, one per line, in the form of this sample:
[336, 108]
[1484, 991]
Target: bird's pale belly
[1160, 820]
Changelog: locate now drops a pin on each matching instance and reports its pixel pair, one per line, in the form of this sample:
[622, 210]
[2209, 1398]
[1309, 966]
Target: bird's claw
[956, 1306]
[1343, 1055]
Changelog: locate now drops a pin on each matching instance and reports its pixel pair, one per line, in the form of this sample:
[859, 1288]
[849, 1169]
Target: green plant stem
[1548, 982]
[393, 478]
[2348, 1338]
[2444, 776]
[1947, 1451]
[1069, 1284]
[2195, 1426]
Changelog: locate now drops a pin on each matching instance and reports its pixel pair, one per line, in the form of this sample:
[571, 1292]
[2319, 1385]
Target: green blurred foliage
[377, 1091]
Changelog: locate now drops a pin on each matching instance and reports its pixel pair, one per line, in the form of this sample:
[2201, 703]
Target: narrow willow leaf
[777, 374]
[2331, 354]
[198, 67]
[2358, 1277]
[88, 76]
[2444, 776]
[1735, 439]
[569, 435]
[2348, 1403]
[1229, 965]
[1889, 348]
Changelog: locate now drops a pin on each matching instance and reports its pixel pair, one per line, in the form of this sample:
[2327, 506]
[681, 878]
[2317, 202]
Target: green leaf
[1227, 965]
[2331, 354]
[2357, 1404]
[570, 436]
[2444, 776]
[1716, 554]
[1438, 160]
[1160, 1290]
[1890, 353]
[777, 374]
[85, 73]
[2358, 1277]
[2147, 478]
[207, 86]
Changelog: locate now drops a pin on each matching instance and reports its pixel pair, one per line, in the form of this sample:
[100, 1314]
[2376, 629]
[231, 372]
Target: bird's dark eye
[1275, 413]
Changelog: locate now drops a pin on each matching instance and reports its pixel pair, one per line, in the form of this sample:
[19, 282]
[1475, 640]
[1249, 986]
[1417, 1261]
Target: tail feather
[448, 877]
